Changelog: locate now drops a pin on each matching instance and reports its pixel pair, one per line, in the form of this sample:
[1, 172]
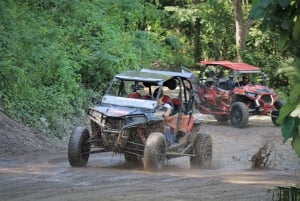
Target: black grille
[286, 194]
[114, 123]
[267, 99]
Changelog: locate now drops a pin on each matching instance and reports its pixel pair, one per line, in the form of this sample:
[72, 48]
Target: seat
[223, 84]
[147, 97]
[167, 99]
[209, 82]
[134, 95]
[186, 122]
[176, 102]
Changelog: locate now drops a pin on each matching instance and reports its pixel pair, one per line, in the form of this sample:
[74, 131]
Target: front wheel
[155, 152]
[275, 112]
[239, 115]
[79, 147]
[202, 149]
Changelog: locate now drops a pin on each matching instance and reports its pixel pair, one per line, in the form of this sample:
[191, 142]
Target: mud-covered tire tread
[202, 148]
[194, 133]
[239, 115]
[155, 152]
[79, 147]
[196, 128]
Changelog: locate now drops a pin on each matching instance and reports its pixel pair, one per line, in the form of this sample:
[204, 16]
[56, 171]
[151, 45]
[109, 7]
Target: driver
[165, 109]
[245, 80]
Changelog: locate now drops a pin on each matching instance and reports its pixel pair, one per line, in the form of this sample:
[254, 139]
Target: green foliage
[284, 112]
[289, 117]
[55, 54]
[296, 144]
[282, 16]
[217, 30]
[215, 43]
[262, 51]
[289, 128]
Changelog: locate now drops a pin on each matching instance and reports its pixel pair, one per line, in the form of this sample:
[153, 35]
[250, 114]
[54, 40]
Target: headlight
[94, 114]
[251, 94]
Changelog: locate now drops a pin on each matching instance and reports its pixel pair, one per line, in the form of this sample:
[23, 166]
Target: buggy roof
[153, 75]
[240, 67]
[186, 75]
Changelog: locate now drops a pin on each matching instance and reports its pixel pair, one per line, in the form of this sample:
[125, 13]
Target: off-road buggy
[220, 92]
[127, 121]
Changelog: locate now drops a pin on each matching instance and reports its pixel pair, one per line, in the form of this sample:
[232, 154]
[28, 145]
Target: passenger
[231, 83]
[221, 74]
[210, 77]
[164, 109]
[245, 80]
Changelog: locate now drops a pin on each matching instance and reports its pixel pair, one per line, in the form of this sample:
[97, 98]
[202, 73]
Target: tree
[242, 26]
[200, 31]
[283, 16]
[55, 55]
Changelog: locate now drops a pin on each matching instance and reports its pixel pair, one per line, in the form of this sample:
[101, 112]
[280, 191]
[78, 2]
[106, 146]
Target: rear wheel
[155, 152]
[239, 115]
[79, 147]
[202, 149]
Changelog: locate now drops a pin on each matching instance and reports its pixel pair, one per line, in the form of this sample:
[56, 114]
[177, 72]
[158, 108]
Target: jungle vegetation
[283, 17]
[56, 55]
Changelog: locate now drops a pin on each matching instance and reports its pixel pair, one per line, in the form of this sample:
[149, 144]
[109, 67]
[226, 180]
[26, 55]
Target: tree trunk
[197, 50]
[242, 27]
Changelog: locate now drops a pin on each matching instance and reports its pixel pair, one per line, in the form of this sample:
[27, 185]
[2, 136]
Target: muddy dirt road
[48, 176]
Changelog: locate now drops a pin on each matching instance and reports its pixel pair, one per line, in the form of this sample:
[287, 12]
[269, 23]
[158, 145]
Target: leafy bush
[282, 17]
[289, 117]
[54, 55]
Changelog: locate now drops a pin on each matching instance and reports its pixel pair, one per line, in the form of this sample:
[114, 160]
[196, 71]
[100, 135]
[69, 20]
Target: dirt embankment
[19, 140]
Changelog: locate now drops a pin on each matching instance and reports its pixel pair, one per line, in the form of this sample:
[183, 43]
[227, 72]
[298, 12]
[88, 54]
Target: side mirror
[96, 100]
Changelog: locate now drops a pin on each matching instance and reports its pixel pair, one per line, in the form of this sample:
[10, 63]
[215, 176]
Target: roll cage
[136, 88]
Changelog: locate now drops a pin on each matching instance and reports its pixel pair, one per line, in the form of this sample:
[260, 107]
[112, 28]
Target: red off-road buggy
[222, 93]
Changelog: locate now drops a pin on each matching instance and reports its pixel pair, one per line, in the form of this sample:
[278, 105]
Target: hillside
[17, 139]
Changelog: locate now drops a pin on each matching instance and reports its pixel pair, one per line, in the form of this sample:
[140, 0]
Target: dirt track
[47, 176]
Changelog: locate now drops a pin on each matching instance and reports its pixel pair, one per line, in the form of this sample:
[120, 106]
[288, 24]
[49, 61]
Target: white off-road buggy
[126, 121]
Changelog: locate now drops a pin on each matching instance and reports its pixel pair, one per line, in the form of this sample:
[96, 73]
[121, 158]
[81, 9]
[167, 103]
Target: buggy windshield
[130, 93]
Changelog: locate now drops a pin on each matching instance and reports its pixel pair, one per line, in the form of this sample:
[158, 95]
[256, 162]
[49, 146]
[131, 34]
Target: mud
[47, 176]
